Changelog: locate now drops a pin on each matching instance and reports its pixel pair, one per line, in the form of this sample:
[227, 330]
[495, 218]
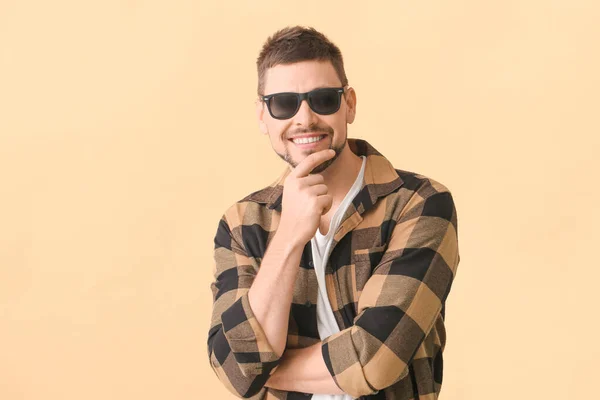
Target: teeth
[307, 140]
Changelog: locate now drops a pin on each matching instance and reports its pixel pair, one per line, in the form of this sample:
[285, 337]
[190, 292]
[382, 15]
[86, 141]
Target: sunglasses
[285, 105]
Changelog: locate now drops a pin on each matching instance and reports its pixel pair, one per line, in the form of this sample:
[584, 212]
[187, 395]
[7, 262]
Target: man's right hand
[305, 198]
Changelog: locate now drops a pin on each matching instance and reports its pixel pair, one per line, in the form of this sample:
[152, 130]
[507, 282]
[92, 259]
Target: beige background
[127, 128]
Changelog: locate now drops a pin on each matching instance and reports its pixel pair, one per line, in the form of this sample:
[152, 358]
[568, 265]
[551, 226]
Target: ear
[350, 99]
[260, 114]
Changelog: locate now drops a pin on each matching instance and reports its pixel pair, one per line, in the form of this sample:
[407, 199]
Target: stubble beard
[321, 167]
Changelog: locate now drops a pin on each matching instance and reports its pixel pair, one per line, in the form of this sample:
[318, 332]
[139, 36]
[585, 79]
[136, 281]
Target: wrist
[289, 239]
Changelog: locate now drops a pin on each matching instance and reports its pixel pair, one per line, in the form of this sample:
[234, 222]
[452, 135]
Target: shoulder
[419, 183]
[250, 209]
[422, 196]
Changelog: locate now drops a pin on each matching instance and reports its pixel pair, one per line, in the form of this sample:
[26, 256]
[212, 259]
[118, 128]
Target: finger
[311, 180]
[318, 190]
[324, 203]
[312, 161]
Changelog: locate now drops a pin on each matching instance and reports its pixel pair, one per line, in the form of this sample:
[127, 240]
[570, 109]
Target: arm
[303, 370]
[401, 300]
[270, 296]
[251, 305]
[240, 349]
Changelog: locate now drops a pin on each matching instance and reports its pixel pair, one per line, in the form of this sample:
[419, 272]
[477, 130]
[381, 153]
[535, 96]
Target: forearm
[303, 370]
[270, 296]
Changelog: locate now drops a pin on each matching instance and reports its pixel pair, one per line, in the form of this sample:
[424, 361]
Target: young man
[331, 282]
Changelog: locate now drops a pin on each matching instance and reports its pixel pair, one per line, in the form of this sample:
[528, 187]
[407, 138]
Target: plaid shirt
[393, 260]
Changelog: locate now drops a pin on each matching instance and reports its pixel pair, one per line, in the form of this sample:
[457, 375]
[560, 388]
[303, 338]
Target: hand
[305, 198]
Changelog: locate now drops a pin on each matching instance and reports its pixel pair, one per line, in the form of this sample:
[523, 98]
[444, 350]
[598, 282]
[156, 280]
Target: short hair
[294, 44]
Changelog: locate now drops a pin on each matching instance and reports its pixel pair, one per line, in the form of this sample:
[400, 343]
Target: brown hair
[295, 44]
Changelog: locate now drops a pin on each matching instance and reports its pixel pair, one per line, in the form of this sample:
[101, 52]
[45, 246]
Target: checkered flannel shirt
[394, 258]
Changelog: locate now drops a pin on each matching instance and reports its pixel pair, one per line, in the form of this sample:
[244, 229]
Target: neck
[340, 176]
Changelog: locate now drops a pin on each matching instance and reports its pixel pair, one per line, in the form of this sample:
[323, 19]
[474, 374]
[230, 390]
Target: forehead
[300, 77]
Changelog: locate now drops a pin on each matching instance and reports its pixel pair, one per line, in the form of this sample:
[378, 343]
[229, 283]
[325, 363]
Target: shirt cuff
[344, 365]
[247, 340]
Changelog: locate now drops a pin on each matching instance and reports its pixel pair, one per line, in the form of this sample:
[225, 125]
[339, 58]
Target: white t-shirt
[321, 246]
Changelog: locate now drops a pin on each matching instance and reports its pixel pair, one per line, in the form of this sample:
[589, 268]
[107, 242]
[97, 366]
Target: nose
[305, 115]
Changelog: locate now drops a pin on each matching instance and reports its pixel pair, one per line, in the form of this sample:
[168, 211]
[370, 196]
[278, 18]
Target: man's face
[303, 77]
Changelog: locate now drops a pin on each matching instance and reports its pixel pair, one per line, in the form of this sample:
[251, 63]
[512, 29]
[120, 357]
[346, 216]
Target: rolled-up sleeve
[402, 299]
[238, 349]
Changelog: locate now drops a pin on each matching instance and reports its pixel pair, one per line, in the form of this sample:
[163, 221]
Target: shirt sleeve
[402, 299]
[238, 349]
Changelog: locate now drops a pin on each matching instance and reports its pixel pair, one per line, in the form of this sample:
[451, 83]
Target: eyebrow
[325, 86]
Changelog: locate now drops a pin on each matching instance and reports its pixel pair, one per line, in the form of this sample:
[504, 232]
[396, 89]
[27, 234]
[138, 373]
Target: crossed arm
[398, 307]
[303, 370]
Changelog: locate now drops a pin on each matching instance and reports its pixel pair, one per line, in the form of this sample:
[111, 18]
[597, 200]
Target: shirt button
[310, 264]
[375, 392]
[308, 303]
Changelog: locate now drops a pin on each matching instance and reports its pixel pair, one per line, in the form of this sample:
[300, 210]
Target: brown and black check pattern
[393, 261]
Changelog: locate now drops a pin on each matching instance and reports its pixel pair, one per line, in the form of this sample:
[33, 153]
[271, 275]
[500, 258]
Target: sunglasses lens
[283, 105]
[325, 101]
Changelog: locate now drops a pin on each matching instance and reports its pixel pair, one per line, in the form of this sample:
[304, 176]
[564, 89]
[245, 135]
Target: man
[331, 282]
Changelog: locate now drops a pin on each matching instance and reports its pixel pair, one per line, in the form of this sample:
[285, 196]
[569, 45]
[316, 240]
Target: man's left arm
[303, 370]
[396, 310]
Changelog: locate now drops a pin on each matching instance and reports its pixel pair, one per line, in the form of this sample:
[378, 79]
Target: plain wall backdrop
[128, 128]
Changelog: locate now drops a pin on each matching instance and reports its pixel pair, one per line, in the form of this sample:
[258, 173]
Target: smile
[308, 140]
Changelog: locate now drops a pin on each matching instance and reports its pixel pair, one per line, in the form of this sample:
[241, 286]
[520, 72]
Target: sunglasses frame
[304, 96]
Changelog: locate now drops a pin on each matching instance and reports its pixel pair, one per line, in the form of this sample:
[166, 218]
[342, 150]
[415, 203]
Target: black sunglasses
[285, 105]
